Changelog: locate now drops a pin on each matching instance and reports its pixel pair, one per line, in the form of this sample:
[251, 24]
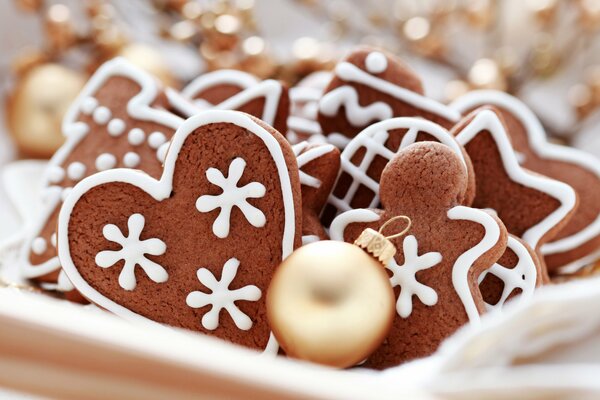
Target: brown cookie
[319, 165]
[234, 90]
[365, 157]
[304, 99]
[448, 246]
[533, 207]
[578, 242]
[118, 120]
[371, 85]
[197, 248]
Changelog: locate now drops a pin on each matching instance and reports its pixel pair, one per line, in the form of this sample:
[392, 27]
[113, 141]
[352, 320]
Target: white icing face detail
[405, 276]
[156, 139]
[76, 171]
[307, 157]
[55, 174]
[39, 246]
[376, 62]
[131, 159]
[232, 196]
[133, 252]
[116, 127]
[136, 136]
[161, 153]
[105, 161]
[221, 297]
[101, 115]
[88, 105]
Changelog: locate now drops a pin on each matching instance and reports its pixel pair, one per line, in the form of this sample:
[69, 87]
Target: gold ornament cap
[377, 244]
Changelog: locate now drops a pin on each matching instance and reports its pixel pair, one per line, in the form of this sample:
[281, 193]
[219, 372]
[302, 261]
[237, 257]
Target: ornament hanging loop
[377, 244]
[393, 219]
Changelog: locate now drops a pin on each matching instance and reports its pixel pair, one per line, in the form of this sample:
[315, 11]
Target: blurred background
[544, 51]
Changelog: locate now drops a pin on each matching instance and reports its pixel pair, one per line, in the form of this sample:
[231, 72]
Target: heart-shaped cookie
[195, 249]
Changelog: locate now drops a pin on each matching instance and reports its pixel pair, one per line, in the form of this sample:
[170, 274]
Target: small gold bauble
[149, 60]
[330, 302]
[36, 106]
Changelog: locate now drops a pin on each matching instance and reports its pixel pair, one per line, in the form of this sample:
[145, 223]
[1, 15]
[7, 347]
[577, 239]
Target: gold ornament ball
[149, 60]
[331, 303]
[36, 106]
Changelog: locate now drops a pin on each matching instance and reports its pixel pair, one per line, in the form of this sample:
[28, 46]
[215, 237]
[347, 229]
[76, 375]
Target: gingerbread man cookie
[207, 235]
[371, 85]
[235, 90]
[118, 120]
[531, 206]
[318, 165]
[437, 265]
[578, 242]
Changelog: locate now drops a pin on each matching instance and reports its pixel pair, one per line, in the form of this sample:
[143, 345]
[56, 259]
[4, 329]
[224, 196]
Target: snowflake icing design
[133, 252]
[232, 196]
[222, 297]
[405, 276]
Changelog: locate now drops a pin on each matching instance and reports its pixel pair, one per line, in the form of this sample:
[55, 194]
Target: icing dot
[76, 171]
[55, 174]
[115, 127]
[161, 153]
[53, 239]
[131, 159]
[65, 193]
[101, 115]
[88, 105]
[105, 161]
[156, 139]
[376, 62]
[38, 245]
[136, 136]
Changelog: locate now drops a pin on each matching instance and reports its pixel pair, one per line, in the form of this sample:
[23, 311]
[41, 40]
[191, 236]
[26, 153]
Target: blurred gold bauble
[149, 60]
[36, 106]
[331, 303]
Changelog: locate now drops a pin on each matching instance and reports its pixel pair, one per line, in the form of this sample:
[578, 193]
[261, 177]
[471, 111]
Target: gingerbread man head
[440, 259]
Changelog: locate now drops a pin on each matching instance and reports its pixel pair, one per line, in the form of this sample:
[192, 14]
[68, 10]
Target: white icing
[39, 245]
[232, 196]
[372, 140]
[76, 171]
[53, 239]
[305, 157]
[376, 62]
[105, 161]
[161, 190]
[222, 297]
[357, 115]
[63, 284]
[65, 192]
[523, 276]
[136, 137]
[307, 239]
[55, 174]
[139, 107]
[131, 159]
[487, 120]
[538, 142]
[462, 265]
[339, 224]
[405, 276]
[161, 153]
[88, 105]
[133, 253]
[116, 127]
[156, 139]
[233, 77]
[101, 115]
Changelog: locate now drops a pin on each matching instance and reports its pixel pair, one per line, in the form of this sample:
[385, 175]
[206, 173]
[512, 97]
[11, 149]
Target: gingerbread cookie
[369, 86]
[118, 120]
[446, 249]
[578, 242]
[319, 165]
[267, 100]
[304, 99]
[531, 206]
[206, 236]
[365, 157]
